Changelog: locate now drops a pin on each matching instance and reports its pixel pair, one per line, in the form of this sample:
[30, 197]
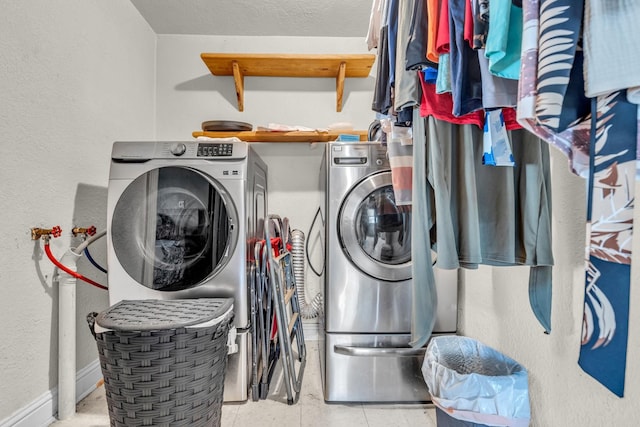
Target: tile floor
[310, 411]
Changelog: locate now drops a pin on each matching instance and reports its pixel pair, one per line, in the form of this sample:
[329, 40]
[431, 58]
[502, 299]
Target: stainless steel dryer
[368, 287]
[182, 219]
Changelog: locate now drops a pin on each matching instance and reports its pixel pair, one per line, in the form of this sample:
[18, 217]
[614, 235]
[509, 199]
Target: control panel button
[215, 150]
[178, 149]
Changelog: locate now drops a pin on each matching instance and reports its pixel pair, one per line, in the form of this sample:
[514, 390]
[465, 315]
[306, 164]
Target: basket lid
[151, 315]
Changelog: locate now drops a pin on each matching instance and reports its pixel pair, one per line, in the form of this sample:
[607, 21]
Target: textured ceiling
[301, 18]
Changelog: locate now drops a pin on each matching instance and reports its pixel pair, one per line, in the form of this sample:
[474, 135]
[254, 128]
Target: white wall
[74, 76]
[496, 311]
[189, 94]
[494, 301]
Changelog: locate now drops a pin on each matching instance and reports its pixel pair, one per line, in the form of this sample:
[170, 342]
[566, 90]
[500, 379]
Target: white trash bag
[475, 383]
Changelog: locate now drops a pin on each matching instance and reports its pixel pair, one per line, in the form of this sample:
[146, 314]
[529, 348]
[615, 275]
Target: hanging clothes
[444, 34]
[440, 106]
[392, 38]
[468, 23]
[557, 105]
[406, 86]
[504, 38]
[480, 10]
[466, 81]
[425, 298]
[416, 47]
[475, 204]
[443, 81]
[375, 23]
[609, 239]
[382, 90]
[433, 13]
[475, 225]
[600, 139]
[543, 92]
[598, 136]
[612, 51]
[410, 55]
[496, 91]
[400, 152]
[442, 48]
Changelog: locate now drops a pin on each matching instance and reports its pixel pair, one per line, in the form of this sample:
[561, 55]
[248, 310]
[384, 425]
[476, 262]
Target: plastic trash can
[164, 362]
[473, 385]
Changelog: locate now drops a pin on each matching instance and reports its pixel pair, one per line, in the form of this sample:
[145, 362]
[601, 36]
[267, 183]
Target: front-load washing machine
[182, 220]
[365, 354]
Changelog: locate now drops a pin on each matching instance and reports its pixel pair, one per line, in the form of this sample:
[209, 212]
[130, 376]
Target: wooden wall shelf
[267, 136]
[288, 65]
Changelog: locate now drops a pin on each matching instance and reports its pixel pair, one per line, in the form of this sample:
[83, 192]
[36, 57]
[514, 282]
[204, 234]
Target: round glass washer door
[173, 228]
[375, 233]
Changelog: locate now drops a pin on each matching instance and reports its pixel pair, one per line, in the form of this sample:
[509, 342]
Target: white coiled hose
[307, 310]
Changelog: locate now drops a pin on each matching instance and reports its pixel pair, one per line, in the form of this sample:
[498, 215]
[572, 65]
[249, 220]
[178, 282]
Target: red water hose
[67, 270]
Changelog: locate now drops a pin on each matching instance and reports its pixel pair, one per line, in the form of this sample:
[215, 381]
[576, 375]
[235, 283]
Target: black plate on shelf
[225, 125]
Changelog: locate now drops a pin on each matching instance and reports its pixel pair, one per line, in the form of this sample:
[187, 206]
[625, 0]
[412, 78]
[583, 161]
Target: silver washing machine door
[173, 228]
[375, 233]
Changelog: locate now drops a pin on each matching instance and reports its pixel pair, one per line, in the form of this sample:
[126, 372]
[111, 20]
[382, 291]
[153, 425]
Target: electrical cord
[315, 217]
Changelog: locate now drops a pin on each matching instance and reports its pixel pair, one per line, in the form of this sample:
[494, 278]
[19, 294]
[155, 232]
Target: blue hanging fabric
[599, 137]
[610, 206]
[551, 102]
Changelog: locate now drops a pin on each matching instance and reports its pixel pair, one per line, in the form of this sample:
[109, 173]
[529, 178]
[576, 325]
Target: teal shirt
[504, 40]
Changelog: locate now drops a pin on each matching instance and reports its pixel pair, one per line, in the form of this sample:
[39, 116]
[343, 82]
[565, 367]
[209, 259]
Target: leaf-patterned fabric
[548, 53]
[558, 33]
[599, 137]
[609, 235]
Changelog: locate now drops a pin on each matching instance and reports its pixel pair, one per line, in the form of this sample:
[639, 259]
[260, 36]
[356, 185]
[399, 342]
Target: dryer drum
[176, 219]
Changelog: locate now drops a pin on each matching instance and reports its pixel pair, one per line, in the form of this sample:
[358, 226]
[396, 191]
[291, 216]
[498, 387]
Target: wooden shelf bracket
[342, 70]
[238, 78]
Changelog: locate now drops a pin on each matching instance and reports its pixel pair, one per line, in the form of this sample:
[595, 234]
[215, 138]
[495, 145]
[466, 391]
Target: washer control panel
[215, 149]
[369, 154]
[141, 151]
[350, 154]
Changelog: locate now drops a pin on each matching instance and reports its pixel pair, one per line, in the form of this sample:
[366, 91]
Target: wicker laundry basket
[164, 361]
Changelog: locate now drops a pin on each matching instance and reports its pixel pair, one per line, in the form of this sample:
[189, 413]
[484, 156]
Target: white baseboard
[42, 411]
[88, 379]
